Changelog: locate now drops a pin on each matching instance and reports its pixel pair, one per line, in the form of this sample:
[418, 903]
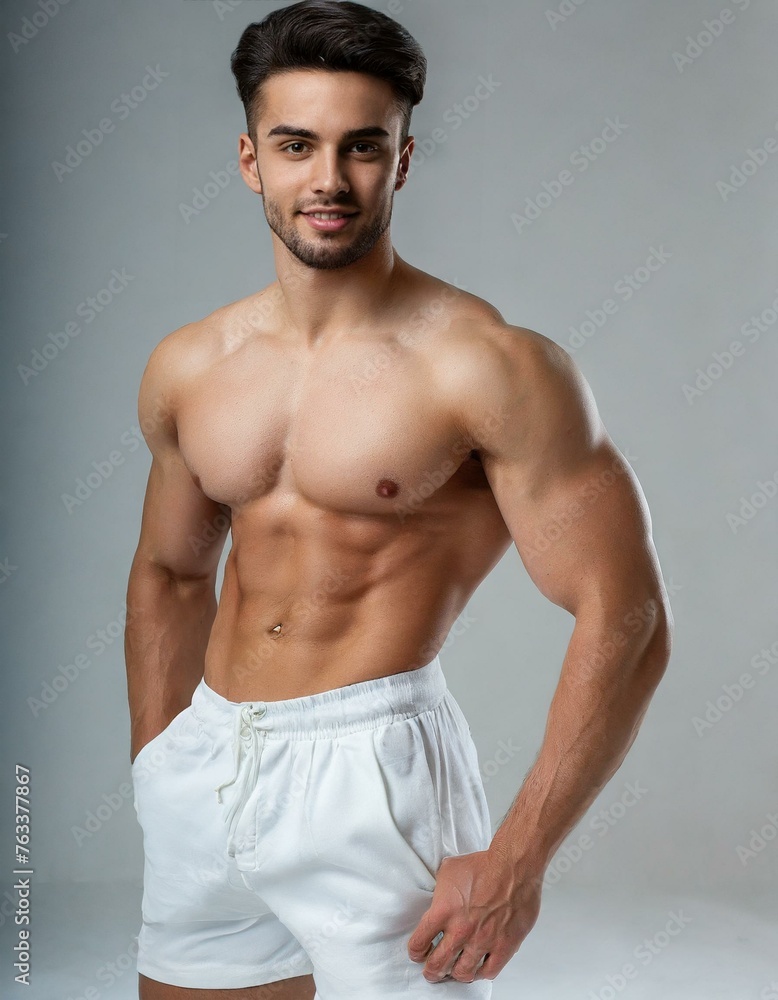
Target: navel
[387, 488]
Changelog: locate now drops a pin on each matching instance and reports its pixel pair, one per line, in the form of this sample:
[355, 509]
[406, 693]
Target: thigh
[299, 988]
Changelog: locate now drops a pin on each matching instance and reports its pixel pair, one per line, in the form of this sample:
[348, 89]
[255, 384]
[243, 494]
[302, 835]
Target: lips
[329, 211]
[329, 225]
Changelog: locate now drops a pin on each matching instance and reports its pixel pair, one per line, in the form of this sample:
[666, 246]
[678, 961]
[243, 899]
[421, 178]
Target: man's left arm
[581, 526]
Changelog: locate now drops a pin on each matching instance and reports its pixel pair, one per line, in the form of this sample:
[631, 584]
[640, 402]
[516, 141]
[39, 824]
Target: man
[313, 814]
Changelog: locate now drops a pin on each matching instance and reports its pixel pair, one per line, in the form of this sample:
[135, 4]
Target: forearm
[169, 622]
[603, 693]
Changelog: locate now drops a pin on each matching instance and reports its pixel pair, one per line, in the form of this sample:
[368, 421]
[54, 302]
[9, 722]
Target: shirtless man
[313, 815]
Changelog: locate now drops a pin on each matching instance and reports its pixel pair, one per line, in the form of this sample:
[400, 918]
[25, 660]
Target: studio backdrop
[604, 173]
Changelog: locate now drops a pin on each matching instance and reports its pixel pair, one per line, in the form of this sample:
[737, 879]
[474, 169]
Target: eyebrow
[369, 131]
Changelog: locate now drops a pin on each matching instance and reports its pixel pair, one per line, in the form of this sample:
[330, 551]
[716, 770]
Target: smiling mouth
[329, 222]
[328, 216]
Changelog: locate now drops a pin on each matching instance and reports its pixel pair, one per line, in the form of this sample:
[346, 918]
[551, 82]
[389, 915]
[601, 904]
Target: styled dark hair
[334, 35]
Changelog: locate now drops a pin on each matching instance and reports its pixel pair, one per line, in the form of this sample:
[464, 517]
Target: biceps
[182, 530]
[583, 533]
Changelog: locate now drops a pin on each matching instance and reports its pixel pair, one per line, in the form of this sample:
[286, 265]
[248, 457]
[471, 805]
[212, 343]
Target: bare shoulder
[512, 387]
[192, 348]
[188, 354]
[176, 359]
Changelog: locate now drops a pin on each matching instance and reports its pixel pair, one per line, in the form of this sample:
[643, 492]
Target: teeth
[323, 215]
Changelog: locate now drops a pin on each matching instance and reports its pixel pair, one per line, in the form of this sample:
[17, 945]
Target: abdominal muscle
[355, 599]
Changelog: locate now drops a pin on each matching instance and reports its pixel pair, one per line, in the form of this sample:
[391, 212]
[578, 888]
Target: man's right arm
[171, 593]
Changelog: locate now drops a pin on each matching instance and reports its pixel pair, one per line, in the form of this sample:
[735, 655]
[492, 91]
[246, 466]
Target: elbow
[156, 569]
[151, 581]
[658, 645]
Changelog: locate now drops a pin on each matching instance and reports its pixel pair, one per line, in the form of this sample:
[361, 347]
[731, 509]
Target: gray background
[655, 186]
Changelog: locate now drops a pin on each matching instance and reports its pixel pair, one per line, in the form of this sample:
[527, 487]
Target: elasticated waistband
[349, 709]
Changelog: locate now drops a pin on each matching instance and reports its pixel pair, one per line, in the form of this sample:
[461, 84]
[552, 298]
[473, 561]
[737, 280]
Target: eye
[363, 148]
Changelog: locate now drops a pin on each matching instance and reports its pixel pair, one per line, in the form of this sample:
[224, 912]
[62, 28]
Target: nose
[327, 176]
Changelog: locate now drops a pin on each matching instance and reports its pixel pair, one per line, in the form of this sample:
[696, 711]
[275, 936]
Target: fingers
[425, 954]
[458, 960]
[423, 940]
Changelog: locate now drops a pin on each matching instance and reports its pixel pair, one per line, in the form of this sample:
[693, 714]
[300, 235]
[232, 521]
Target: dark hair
[334, 35]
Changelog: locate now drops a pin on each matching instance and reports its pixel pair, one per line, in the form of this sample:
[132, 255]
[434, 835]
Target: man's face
[329, 140]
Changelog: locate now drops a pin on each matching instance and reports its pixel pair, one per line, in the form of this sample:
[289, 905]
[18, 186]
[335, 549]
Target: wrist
[524, 860]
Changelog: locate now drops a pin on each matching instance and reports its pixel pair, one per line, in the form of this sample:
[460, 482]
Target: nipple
[386, 488]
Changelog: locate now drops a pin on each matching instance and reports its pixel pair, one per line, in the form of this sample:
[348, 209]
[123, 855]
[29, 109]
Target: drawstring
[245, 735]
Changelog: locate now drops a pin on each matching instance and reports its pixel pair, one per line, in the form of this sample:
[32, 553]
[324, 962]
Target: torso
[362, 520]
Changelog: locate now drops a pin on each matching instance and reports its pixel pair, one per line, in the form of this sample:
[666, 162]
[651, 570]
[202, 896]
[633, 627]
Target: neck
[322, 305]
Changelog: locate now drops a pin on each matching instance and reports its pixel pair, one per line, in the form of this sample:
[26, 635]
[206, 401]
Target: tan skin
[376, 439]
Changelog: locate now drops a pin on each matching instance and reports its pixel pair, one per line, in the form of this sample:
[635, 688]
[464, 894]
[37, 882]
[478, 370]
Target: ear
[247, 161]
[405, 162]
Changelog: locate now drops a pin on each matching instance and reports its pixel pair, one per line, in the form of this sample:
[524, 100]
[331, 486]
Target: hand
[485, 911]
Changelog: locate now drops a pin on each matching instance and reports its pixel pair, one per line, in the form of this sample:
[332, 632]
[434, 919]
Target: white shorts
[301, 836]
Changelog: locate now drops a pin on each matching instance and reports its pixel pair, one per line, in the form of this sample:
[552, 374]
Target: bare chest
[359, 430]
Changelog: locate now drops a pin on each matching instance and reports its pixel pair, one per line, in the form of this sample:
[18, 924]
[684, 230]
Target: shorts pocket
[148, 748]
[411, 793]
